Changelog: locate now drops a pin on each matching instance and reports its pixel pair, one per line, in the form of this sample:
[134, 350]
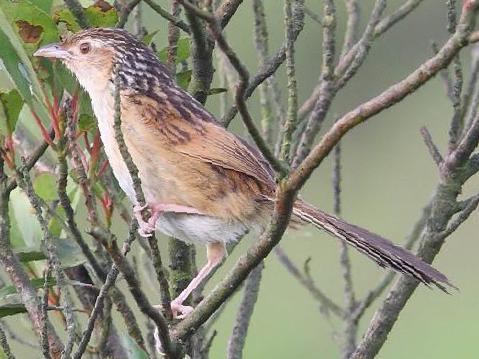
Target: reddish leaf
[102, 5]
[28, 32]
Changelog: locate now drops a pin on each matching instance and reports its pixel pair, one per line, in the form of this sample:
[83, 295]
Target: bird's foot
[146, 228]
[179, 310]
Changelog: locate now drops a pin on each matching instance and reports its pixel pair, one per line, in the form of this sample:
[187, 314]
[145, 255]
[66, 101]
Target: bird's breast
[103, 107]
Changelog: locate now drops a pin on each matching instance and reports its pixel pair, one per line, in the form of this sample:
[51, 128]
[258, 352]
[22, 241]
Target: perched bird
[202, 183]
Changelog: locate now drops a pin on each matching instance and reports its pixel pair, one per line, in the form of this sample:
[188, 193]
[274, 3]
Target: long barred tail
[382, 251]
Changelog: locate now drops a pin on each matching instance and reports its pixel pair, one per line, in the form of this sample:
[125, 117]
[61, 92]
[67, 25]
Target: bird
[202, 183]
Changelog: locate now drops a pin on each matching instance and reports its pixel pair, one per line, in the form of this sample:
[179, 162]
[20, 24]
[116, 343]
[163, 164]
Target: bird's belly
[194, 228]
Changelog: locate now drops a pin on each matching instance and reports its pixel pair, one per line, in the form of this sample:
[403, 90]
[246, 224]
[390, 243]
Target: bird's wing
[186, 127]
[222, 148]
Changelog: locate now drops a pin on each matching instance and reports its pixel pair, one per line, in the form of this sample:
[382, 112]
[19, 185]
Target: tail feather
[379, 249]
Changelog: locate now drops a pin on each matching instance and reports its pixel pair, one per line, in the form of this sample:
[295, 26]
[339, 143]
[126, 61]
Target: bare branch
[289, 124]
[389, 21]
[5, 346]
[431, 146]
[109, 241]
[243, 317]
[326, 85]
[470, 206]
[443, 208]
[352, 25]
[271, 67]
[388, 98]
[17, 275]
[313, 15]
[172, 18]
[354, 58]
[242, 87]
[261, 39]
[325, 303]
[226, 10]
[77, 10]
[247, 262]
[382, 27]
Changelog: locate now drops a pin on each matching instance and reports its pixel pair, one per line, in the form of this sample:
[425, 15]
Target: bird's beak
[55, 51]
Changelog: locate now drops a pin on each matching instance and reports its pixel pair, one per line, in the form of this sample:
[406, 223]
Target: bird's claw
[146, 228]
[180, 311]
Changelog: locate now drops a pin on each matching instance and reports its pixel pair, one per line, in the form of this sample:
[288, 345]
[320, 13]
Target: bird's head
[92, 55]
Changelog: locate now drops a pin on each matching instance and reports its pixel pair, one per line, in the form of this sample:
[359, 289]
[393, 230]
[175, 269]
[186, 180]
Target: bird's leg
[148, 227]
[215, 252]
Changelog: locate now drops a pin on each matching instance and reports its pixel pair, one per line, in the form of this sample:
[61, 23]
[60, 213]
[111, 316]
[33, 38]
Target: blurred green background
[388, 177]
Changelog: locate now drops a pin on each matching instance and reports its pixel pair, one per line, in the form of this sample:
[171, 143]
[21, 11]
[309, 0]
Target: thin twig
[66, 300]
[237, 339]
[4, 344]
[226, 11]
[242, 87]
[382, 27]
[431, 146]
[352, 25]
[262, 47]
[387, 98]
[86, 335]
[289, 125]
[443, 208]
[326, 85]
[326, 304]
[272, 66]
[107, 239]
[389, 21]
[172, 18]
[44, 304]
[350, 303]
[125, 13]
[78, 12]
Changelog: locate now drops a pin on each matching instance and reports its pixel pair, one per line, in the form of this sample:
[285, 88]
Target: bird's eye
[85, 48]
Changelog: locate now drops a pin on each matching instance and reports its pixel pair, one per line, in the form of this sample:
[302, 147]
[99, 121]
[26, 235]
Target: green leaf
[86, 122]
[45, 5]
[65, 16]
[68, 252]
[30, 254]
[217, 90]
[12, 64]
[27, 224]
[30, 233]
[35, 283]
[19, 68]
[133, 351]
[45, 186]
[97, 17]
[12, 309]
[148, 38]
[32, 23]
[100, 18]
[183, 79]
[10, 300]
[182, 51]
[12, 104]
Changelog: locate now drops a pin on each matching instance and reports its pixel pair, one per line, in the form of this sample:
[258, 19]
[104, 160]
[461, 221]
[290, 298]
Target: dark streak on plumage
[141, 71]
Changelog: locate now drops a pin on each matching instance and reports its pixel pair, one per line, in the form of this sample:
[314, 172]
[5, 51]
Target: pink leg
[148, 227]
[215, 253]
